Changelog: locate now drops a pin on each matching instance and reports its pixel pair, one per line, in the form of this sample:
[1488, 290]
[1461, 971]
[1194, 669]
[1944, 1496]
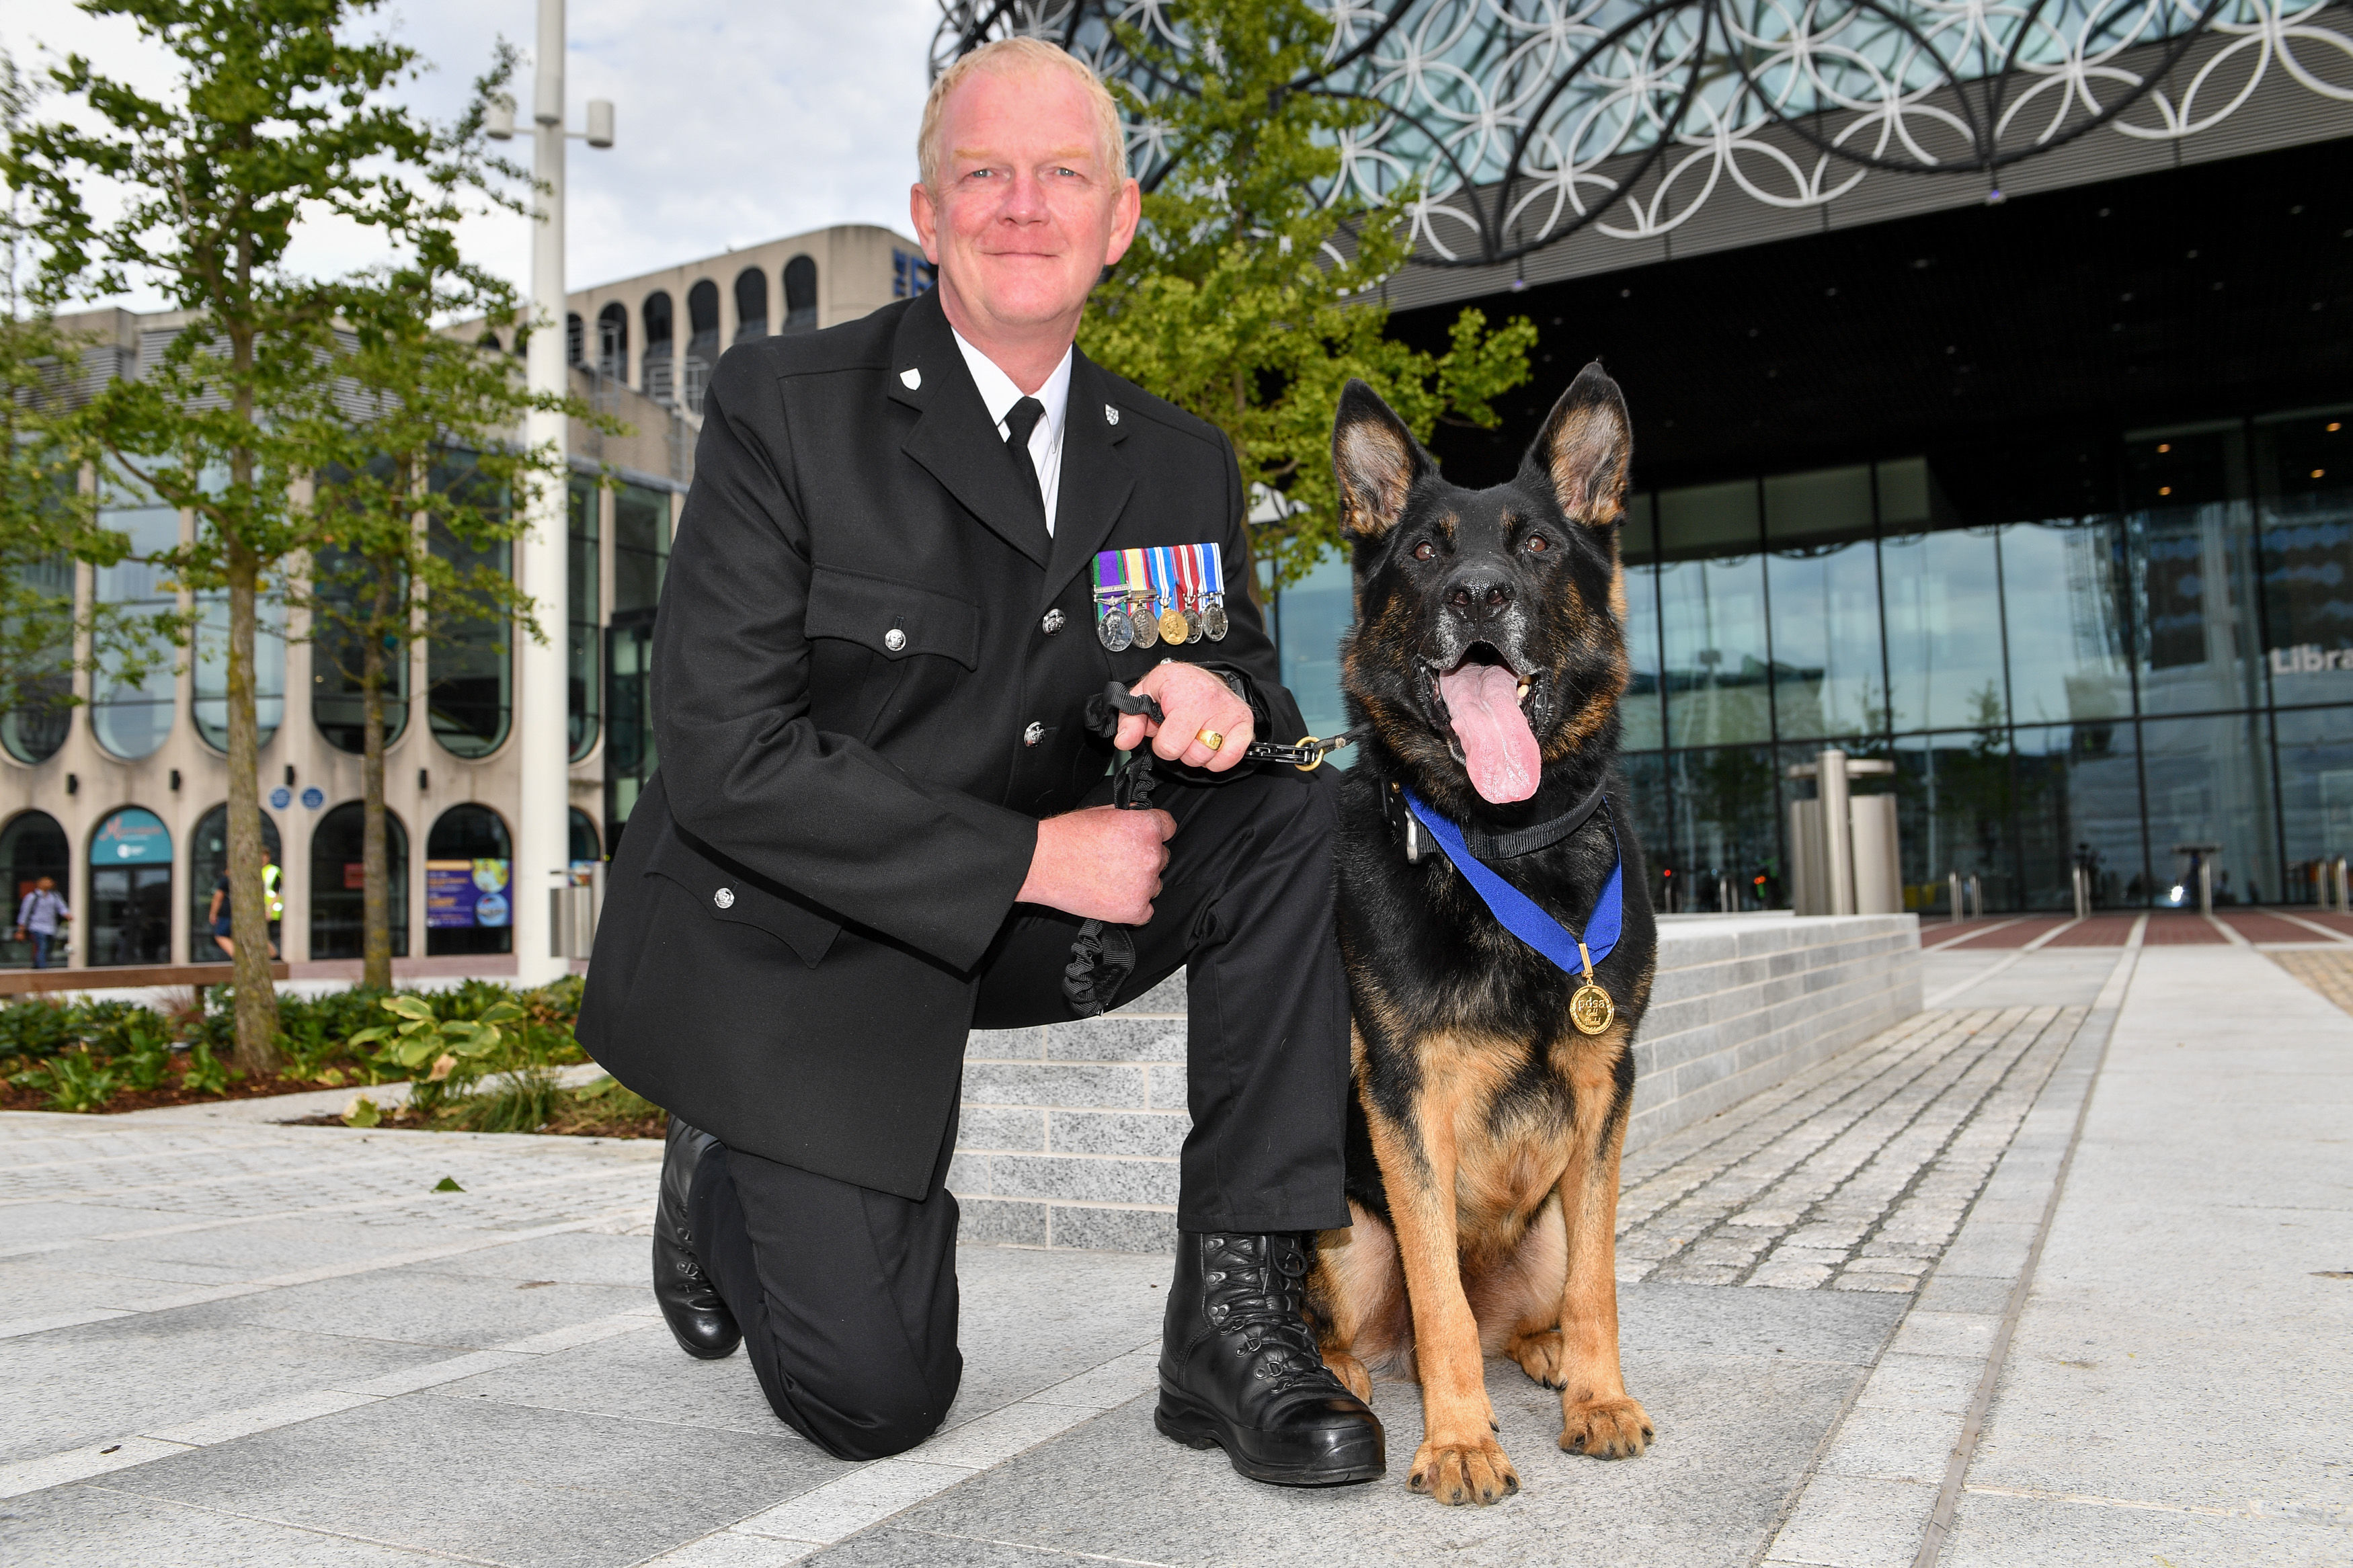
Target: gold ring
[1211, 738]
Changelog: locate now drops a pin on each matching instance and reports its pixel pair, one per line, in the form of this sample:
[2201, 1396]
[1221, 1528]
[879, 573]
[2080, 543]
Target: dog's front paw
[1605, 1429]
[1542, 1356]
[1472, 1470]
[1350, 1371]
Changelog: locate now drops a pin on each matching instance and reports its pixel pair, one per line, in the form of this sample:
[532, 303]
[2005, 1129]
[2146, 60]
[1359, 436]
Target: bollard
[1977, 897]
[2083, 894]
[1953, 895]
[2205, 885]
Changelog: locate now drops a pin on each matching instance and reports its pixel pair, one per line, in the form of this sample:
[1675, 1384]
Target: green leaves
[1250, 301]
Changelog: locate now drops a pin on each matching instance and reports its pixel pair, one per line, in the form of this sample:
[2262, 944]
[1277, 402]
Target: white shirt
[998, 391]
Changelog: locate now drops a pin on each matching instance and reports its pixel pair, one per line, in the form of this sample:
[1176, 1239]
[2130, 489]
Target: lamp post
[543, 828]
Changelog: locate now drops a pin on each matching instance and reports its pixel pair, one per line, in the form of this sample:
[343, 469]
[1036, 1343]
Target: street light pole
[543, 824]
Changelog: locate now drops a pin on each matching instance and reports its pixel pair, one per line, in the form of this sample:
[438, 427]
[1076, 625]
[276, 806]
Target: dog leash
[1590, 1008]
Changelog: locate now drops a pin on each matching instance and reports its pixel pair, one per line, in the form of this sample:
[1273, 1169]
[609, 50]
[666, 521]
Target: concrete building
[123, 797]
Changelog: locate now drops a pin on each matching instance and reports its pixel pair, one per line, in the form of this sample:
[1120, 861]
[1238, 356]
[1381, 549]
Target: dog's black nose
[1479, 593]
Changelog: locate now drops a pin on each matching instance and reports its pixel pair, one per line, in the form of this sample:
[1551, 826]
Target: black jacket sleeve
[746, 768]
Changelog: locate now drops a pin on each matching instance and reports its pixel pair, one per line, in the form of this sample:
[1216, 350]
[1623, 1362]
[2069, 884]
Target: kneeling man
[917, 543]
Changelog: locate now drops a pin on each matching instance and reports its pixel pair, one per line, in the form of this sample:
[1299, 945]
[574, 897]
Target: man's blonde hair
[1008, 56]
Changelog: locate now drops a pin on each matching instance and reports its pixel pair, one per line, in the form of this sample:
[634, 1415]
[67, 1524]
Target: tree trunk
[256, 994]
[376, 856]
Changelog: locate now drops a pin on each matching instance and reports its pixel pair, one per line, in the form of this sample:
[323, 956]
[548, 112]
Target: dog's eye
[1537, 541]
[1424, 550]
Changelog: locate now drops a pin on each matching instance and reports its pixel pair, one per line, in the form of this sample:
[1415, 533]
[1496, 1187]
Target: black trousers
[847, 1295]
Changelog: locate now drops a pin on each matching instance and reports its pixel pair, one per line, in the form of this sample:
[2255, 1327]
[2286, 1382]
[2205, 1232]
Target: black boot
[1238, 1368]
[698, 1318]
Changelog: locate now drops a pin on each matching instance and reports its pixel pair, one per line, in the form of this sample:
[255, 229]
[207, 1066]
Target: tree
[1248, 299]
[277, 118]
[412, 505]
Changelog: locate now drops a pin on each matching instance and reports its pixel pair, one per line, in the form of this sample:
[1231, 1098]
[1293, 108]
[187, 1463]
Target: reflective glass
[1641, 710]
[1316, 613]
[339, 885]
[33, 731]
[2078, 792]
[1641, 813]
[2316, 773]
[211, 705]
[2193, 549]
[1828, 677]
[1723, 807]
[2304, 478]
[1954, 807]
[207, 864]
[629, 754]
[33, 847]
[1943, 630]
[338, 705]
[1712, 617]
[2207, 786]
[640, 546]
[469, 664]
[2063, 608]
[471, 853]
[584, 679]
[132, 719]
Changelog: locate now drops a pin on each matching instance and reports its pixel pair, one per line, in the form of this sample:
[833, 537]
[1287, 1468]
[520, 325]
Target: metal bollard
[2083, 894]
[1953, 895]
[1977, 897]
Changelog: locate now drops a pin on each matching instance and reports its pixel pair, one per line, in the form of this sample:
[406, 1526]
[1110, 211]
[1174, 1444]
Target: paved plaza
[2060, 1270]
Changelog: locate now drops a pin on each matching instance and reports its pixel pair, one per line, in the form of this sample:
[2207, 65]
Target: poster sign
[132, 837]
[464, 893]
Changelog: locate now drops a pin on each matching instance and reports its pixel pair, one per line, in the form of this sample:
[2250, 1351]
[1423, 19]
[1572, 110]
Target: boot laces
[1258, 1289]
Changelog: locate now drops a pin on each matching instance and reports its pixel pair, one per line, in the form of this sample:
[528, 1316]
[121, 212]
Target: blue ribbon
[1522, 916]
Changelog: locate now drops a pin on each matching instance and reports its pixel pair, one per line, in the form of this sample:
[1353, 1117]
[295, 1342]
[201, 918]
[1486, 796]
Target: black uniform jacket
[850, 658]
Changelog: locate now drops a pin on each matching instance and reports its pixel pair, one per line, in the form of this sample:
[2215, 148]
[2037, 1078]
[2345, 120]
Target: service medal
[1193, 624]
[1172, 627]
[1114, 632]
[1590, 1009]
[1213, 619]
[1146, 629]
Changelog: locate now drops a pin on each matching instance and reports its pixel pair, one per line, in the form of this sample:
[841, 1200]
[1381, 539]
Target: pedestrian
[38, 917]
[915, 545]
[217, 915]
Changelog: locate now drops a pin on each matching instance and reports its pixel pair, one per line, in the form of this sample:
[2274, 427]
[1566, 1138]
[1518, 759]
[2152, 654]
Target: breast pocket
[879, 648]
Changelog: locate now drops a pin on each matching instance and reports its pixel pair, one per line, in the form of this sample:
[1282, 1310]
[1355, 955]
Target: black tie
[1021, 419]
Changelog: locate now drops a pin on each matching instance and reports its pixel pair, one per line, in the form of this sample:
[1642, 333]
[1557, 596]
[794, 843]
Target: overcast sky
[739, 121]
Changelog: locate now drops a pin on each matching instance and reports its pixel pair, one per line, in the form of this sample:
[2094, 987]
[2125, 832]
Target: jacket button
[1053, 622]
[725, 897]
[1035, 734]
[894, 640]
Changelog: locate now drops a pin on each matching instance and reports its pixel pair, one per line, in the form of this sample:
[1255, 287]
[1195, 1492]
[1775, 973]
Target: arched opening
[491, 341]
[656, 381]
[613, 342]
[33, 847]
[37, 725]
[130, 708]
[583, 674]
[702, 339]
[468, 883]
[339, 888]
[131, 890]
[750, 304]
[800, 295]
[576, 339]
[211, 705]
[337, 706]
[208, 871]
[584, 850]
[468, 667]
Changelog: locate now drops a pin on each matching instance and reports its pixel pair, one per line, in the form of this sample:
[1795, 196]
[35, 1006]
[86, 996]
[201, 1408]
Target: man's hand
[1194, 700]
[1102, 863]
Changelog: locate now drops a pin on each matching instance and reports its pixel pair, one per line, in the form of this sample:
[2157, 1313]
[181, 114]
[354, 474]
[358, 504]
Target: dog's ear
[1376, 460]
[1584, 449]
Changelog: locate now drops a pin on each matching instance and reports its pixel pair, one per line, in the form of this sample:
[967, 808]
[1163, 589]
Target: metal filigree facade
[1530, 120]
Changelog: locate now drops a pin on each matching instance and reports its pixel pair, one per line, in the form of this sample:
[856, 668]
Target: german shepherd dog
[1485, 1130]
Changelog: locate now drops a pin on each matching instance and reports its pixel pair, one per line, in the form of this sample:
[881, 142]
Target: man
[881, 819]
[38, 915]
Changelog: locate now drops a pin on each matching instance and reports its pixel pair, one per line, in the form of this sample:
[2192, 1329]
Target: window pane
[132, 719]
[2303, 472]
[2208, 784]
[2064, 605]
[131, 890]
[1640, 814]
[1316, 613]
[339, 890]
[584, 680]
[34, 730]
[337, 704]
[2193, 566]
[2315, 771]
[33, 847]
[207, 864]
[211, 706]
[1954, 809]
[1642, 709]
[2079, 796]
[1826, 654]
[629, 755]
[469, 672]
[1943, 630]
[1712, 614]
[1726, 806]
[468, 883]
[640, 546]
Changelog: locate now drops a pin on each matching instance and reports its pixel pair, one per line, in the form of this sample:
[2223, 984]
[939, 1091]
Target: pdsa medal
[1164, 585]
[1589, 1009]
[1213, 579]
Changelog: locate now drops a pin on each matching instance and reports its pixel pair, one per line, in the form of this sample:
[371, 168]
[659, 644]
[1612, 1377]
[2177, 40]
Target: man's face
[45, 885]
[1027, 215]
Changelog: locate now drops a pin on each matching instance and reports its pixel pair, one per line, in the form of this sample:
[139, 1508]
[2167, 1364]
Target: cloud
[737, 121]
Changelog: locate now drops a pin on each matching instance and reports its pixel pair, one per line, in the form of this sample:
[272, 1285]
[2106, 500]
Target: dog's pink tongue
[1497, 744]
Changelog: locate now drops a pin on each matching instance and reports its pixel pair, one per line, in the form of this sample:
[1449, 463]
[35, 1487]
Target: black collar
[1504, 846]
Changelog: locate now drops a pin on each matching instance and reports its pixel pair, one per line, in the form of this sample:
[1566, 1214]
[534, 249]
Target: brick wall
[1070, 1132]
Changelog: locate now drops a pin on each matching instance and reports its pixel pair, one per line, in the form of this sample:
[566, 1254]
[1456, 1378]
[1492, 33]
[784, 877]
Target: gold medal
[1172, 627]
[1590, 1008]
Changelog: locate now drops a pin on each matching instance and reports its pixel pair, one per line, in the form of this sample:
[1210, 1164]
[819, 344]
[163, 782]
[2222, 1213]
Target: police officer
[916, 544]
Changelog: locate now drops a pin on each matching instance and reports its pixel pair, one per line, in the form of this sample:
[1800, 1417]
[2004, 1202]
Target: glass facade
[583, 501]
[207, 866]
[338, 890]
[133, 717]
[2170, 676]
[468, 663]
